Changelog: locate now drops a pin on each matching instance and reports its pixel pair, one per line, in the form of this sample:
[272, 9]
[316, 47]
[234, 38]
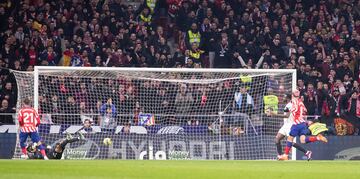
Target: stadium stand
[321, 39]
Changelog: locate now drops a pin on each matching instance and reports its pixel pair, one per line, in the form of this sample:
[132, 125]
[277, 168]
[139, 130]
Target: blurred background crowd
[320, 39]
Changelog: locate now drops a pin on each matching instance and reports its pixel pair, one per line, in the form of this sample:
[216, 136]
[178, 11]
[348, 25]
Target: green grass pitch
[91, 169]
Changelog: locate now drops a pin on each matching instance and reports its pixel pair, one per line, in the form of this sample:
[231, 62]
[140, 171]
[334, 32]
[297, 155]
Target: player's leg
[278, 139]
[309, 139]
[308, 153]
[294, 131]
[289, 143]
[299, 147]
[35, 137]
[22, 137]
[288, 146]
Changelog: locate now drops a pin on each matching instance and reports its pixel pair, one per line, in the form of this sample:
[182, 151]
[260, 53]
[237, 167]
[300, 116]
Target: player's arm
[302, 108]
[20, 118]
[286, 113]
[274, 114]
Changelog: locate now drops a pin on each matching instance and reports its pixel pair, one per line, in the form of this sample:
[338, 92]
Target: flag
[76, 61]
[36, 25]
[146, 119]
[67, 57]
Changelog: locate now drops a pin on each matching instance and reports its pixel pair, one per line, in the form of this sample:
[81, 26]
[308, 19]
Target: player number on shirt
[28, 116]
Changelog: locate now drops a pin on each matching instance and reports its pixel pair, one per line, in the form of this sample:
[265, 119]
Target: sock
[309, 139]
[297, 146]
[24, 151]
[288, 147]
[42, 151]
[278, 148]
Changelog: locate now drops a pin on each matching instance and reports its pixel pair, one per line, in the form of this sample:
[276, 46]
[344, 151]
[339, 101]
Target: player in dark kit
[55, 152]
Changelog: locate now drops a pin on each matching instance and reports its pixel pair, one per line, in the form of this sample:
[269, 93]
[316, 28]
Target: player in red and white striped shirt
[298, 110]
[299, 127]
[29, 120]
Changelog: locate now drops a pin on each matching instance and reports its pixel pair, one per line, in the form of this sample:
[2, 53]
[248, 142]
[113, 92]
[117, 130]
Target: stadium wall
[338, 148]
[7, 145]
[145, 144]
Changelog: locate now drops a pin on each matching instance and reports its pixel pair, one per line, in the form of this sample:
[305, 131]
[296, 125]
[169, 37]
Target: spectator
[82, 95]
[49, 57]
[243, 101]
[223, 57]
[6, 113]
[9, 94]
[108, 116]
[85, 112]
[126, 129]
[183, 100]
[193, 36]
[311, 100]
[72, 110]
[196, 54]
[352, 111]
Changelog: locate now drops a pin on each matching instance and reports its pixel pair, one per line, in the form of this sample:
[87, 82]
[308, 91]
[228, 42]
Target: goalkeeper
[55, 152]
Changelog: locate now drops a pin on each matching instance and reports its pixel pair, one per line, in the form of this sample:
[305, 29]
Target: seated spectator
[5, 113]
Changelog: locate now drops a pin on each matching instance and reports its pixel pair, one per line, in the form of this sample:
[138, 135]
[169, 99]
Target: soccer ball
[107, 141]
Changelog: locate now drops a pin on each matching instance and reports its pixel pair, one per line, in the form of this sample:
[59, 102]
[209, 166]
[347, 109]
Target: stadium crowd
[321, 39]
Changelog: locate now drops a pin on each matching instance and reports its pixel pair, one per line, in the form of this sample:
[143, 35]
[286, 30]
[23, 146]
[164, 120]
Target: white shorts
[285, 129]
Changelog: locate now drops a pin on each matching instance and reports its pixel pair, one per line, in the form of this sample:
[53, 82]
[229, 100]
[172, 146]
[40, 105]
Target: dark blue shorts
[299, 129]
[35, 137]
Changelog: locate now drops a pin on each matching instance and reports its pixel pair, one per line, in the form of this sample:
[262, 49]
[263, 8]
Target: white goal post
[158, 113]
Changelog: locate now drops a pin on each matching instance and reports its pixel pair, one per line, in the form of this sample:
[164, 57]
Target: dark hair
[27, 101]
[288, 96]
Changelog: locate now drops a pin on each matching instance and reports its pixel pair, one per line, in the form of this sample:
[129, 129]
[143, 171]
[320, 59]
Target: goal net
[152, 113]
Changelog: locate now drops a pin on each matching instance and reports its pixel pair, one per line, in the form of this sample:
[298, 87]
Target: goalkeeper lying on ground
[53, 152]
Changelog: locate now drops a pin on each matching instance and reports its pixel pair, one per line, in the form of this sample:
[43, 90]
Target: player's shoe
[25, 157]
[322, 138]
[284, 157]
[308, 155]
[68, 136]
[81, 136]
[46, 158]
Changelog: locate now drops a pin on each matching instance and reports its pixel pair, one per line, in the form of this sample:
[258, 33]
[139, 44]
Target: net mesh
[158, 115]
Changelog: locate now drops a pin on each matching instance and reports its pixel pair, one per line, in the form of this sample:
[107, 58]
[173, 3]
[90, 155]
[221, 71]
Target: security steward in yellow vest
[193, 36]
[247, 80]
[196, 54]
[145, 16]
[271, 103]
